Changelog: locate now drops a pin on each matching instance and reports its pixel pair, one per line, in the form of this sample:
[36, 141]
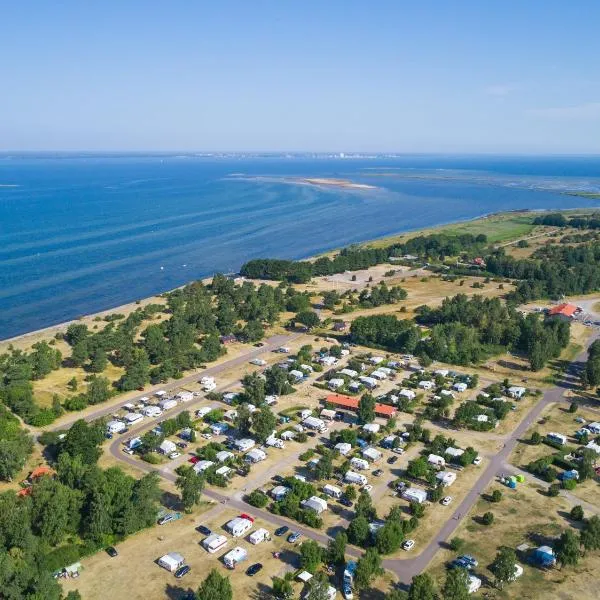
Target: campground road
[404, 569]
[270, 344]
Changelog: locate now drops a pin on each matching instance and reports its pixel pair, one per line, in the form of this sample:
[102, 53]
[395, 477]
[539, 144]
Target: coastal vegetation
[465, 331]
[15, 445]
[353, 258]
[65, 516]
[151, 345]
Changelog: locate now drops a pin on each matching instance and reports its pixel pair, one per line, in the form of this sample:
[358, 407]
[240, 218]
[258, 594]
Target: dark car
[458, 563]
[277, 478]
[203, 529]
[112, 551]
[391, 460]
[259, 344]
[182, 571]
[182, 445]
[378, 473]
[345, 501]
[282, 530]
[253, 569]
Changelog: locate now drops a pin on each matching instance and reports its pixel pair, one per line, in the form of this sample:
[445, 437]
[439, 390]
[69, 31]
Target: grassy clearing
[525, 515]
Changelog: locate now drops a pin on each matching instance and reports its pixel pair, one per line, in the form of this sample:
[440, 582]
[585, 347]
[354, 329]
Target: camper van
[235, 556]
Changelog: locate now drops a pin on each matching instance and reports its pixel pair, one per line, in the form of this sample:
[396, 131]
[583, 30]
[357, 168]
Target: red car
[193, 460]
[245, 516]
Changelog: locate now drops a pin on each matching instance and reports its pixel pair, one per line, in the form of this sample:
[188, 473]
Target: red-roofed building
[565, 311]
[349, 403]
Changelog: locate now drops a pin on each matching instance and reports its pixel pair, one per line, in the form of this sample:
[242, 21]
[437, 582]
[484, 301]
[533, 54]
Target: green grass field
[498, 228]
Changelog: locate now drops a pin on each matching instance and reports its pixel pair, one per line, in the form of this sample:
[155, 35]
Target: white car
[368, 487]
[447, 500]
[477, 460]
[408, 545]
[174, 455]
[398, 450]
[207, 436]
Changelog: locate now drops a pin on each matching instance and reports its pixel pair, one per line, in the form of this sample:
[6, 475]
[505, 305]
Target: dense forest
[560, 220]
[147, 351]
[434, 246]
[64, 517]
[552, 271]
[466, 330]
[15, 445]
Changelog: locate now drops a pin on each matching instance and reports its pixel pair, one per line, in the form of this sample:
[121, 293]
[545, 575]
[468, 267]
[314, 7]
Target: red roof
[40, 471]
[566, 310]
[342, 401]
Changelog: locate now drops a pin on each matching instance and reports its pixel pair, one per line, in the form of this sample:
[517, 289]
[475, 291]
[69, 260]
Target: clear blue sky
[328, 75]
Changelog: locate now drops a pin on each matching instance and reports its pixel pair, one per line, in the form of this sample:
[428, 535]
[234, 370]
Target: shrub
[456, 544]
[569, 484]
[573, 407]
[257, 498]
[577, 513]
[496, 496]
[488, 518]
[553, 490]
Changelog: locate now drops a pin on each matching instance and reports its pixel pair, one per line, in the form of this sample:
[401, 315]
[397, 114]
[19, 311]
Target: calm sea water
[80, 234]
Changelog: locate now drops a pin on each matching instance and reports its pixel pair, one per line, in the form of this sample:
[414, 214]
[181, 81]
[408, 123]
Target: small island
[338, 183]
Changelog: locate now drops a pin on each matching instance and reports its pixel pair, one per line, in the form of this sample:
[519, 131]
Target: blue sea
[83, 233]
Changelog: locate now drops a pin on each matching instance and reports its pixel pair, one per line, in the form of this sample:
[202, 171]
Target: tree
[54, 510]
[366, 409]
[324, 468]
[98, 390]
[422, 588]
[367, 567]
[243, 419]
[587, 465]
[318, 587]
[263, 423]
[350, 492]
[190, 486]
[590, 534]
[488, 518]
[358, 531]
[311, 555]
[567, 549]
[215, 587]
[456, 586]
[282, 588]
[503, 566]
[137, 371]
[83, 440]
[364, 506]
[254, 388]
[72, 384]
[99, 361]
[336, 548]
[496, 496]
[417, 509]
[277, 381]
[577, 513]
[308, 318]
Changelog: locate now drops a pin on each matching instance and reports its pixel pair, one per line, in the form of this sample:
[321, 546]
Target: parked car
[346, 502]
[182, 571]
[248, 517]
[469, 560]
[182, 445]
[174, 455]
[112, 551]
[457, 563]
[392, 459]
[447, 500]
[194, 459]
[207, 436]
[378, 472]
[408, 545]
[282, 530]
[166, 519]
[398, 450]
[367, 488]
[253, 569]
[203, 529]
[293, 537]
[477, 460]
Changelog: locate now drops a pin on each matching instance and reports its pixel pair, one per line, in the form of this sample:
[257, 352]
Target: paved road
[270, 344]
[405, 569]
